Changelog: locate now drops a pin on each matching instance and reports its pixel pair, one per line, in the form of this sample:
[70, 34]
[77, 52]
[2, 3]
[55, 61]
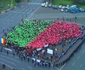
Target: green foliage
[81, 2]
[7, 2]
[17, 1]
[2, 9]
[63, 2]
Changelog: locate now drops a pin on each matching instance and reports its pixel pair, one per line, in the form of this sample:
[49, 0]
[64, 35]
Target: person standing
[45, 64]
[75, 19]
[13, 54]
[1, 48]
[49, 64]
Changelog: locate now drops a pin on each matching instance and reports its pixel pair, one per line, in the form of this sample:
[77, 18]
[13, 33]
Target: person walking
[28, 58]
[42, 63]
[53, 64]
[45, 64]
[24, 56]
[34, 63]
[7, 52]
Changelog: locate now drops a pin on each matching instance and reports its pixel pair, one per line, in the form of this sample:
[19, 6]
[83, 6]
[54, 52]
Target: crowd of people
[26, 32]
[55, 33]
[23, 56]
[36, 51]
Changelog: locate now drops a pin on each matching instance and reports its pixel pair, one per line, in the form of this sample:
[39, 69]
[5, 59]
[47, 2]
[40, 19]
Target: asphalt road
[14, 17]
[77, 62]
[52, 14]
[15, 62]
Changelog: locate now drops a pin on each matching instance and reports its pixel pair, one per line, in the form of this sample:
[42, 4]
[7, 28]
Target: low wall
[70, 52]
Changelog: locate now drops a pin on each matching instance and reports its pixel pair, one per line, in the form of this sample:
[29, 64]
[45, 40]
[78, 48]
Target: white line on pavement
[62, 66]
[12, 17]
[73, 64]
[9, 66]
[83, 52]
[81, 65]
[33, 13]
[29, 67]
[10, 55]
[23, 69]
[8, 16]
[9, 58]
[57, 68]
[6, 65]
[78, 57]
[16, 12]
[7, 61]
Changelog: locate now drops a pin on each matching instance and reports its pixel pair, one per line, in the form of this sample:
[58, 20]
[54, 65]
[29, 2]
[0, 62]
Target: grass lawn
[2, 9]
[66, 2]
[82, 6]
[6, 3]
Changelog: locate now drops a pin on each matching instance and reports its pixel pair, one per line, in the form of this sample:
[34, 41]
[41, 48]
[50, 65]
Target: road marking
[62, 66]
[9, 66]
[9, 55]
[8, 16]
[32, 13]
[57, 68]
[29, 67]
[12, 17]
[8, 61]
[23, 69]
[6, 65]
[73, 64]
[10, 58]
[78, 57]
[83, 52]
[81, 65]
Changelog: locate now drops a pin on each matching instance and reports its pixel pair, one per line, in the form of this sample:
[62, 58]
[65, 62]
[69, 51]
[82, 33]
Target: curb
[7, 10]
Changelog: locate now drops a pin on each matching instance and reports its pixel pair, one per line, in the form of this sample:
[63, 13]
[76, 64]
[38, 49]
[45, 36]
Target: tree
[81, 2]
